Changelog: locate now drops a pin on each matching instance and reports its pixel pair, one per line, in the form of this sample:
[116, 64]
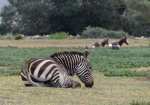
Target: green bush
[58, 35]
[97, 32]
[18, 37]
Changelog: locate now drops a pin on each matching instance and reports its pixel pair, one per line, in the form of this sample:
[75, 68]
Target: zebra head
[84, 70]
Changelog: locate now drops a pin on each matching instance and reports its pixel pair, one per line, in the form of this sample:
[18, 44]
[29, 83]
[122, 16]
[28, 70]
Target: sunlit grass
[106, 91]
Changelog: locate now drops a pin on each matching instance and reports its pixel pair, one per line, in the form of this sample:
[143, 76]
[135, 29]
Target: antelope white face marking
[127, 41]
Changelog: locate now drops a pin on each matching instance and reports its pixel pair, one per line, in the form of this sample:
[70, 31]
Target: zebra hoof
[76, 84]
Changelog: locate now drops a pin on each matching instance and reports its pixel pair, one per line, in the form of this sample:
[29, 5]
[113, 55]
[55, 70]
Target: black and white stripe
[45, 72]
[76, 63]
[54, 71]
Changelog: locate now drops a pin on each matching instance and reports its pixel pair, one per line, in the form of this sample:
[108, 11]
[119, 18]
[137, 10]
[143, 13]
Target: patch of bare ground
[147, 78]
[142, 68]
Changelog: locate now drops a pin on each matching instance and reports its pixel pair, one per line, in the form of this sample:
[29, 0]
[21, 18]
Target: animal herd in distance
[114, 45]
[54, 71]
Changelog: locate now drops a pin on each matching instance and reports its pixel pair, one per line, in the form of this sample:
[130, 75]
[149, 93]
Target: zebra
[55, 70]
[46, 72]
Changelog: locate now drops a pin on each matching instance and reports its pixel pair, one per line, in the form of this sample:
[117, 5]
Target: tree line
[30, 17]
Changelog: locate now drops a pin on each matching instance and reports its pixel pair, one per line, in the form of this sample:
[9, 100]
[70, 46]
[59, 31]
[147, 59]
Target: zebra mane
[66, 53]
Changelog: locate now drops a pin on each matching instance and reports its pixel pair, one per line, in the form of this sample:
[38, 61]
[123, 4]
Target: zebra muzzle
[89, 84]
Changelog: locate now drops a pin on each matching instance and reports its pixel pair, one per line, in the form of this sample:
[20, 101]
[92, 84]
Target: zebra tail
[36, 83]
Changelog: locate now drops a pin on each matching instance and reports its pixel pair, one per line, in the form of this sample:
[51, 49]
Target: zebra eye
[90, 67]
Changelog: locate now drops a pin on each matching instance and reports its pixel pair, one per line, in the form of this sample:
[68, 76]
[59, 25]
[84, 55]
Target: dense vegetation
[123, 62]
[32, 17]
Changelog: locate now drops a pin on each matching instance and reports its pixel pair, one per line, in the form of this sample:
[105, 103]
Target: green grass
[110, 62]
[108, 89]
[58, 35]
[139, 103]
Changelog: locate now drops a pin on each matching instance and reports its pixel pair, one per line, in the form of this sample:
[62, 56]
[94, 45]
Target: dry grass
[106, 91]
[66, 42]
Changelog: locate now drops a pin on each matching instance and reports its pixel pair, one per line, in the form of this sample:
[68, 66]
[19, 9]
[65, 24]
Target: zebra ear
[86, 53]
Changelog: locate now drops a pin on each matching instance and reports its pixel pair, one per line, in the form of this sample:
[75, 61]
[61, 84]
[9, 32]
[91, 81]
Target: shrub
[18, 37]
[97, 32]
[58, 35]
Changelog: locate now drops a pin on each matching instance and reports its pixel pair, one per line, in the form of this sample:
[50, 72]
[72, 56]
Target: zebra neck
[69, 64]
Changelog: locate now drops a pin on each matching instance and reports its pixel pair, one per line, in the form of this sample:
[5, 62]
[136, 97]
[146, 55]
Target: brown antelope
[102, 44]
[118, 44]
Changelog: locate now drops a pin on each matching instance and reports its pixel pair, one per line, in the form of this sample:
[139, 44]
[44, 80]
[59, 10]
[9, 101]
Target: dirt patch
[142, 68]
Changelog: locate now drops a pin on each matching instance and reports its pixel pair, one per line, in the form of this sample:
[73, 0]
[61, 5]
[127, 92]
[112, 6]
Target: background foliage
[96, 32]
[72, 16]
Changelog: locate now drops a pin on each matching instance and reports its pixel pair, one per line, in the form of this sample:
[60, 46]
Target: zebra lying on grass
[55, 70]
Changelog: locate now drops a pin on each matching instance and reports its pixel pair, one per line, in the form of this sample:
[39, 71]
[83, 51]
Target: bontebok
[118, 44]
[55, 70]
[102, 44]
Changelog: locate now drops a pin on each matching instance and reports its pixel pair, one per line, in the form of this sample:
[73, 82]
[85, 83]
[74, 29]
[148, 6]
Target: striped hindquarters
[40, 72]
[24, 74]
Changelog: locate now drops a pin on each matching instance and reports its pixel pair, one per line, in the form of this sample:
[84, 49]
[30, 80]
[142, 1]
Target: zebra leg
[75, 84]
[72, 84]
[66, 82]
[50, 83]
[35, 83]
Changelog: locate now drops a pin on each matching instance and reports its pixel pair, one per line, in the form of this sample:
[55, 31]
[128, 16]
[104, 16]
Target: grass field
[106, 91]
[121, 76]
